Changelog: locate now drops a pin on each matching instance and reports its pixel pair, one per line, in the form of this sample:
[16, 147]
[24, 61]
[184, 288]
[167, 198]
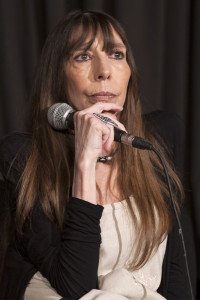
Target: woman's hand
[93, 138]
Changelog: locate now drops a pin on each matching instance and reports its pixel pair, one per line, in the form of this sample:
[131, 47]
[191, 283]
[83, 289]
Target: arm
[68, 259]
[70, 262]
[92, 139]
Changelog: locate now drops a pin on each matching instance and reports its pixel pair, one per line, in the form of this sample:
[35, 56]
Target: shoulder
[14, 149]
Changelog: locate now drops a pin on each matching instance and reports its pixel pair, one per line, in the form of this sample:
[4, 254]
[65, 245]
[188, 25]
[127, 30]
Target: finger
[87, 121]
[120, 125]
[87, 124]
[101, 106]
[107, 142]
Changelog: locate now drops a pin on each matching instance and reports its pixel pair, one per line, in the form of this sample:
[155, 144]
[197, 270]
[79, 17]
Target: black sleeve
[68, 258]
[174, 284]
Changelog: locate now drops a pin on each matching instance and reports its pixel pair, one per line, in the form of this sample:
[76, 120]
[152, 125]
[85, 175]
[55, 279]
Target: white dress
[116, 251]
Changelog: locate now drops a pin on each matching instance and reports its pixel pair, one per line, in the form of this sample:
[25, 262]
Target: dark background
[165, 38]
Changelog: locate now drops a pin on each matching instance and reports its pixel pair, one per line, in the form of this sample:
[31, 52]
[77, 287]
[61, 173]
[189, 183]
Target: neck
[108, 190]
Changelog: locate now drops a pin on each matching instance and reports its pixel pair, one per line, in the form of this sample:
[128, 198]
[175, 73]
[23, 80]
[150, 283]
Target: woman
[87, 228]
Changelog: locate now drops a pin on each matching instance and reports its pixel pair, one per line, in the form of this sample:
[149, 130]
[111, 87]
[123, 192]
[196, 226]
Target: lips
[103, 96]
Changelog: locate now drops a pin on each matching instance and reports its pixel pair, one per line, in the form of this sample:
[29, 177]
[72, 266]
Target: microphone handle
[128, 139]
[69, 121]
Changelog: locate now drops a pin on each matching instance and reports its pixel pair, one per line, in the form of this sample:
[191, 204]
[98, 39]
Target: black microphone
[61, 117]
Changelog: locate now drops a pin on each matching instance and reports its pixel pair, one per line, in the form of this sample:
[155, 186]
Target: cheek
[72, 85]
[75, 92]
[74, 88]
[128, 73]
[126, 78]
[73, 80]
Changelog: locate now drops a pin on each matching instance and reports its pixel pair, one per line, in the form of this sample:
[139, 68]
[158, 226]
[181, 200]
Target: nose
[102, 69]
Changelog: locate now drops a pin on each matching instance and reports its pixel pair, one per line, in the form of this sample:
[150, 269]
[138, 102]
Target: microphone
[60, 117]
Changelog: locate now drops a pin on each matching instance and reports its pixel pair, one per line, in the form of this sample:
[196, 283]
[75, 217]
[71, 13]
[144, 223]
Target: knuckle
[80, 113]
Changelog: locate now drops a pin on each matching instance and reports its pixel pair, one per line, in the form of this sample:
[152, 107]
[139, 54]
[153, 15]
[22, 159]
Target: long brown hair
[48, 172]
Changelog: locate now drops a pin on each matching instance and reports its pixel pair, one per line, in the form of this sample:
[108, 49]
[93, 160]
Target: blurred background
[165, 39]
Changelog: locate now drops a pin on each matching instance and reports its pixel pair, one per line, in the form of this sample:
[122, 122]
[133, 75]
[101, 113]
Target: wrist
[84, 181]
[85, 164]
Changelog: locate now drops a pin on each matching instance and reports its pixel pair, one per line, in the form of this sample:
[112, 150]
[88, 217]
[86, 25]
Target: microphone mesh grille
[57, 115]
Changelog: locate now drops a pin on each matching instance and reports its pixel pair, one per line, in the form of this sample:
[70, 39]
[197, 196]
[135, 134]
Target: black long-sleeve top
[69, 258]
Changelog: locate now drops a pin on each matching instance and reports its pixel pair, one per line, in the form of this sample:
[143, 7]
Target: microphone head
[57, 115]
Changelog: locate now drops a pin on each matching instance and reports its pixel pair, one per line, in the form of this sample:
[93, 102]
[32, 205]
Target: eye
[117, 55]
[82, 57]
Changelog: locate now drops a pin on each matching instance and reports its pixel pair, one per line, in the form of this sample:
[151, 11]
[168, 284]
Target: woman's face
[96, 76]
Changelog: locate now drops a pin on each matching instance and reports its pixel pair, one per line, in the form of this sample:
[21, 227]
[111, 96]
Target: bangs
[84, 32]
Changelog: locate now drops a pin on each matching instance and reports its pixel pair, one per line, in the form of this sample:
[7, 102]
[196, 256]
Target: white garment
[120, 285]
[39, 288]
[117, 249]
